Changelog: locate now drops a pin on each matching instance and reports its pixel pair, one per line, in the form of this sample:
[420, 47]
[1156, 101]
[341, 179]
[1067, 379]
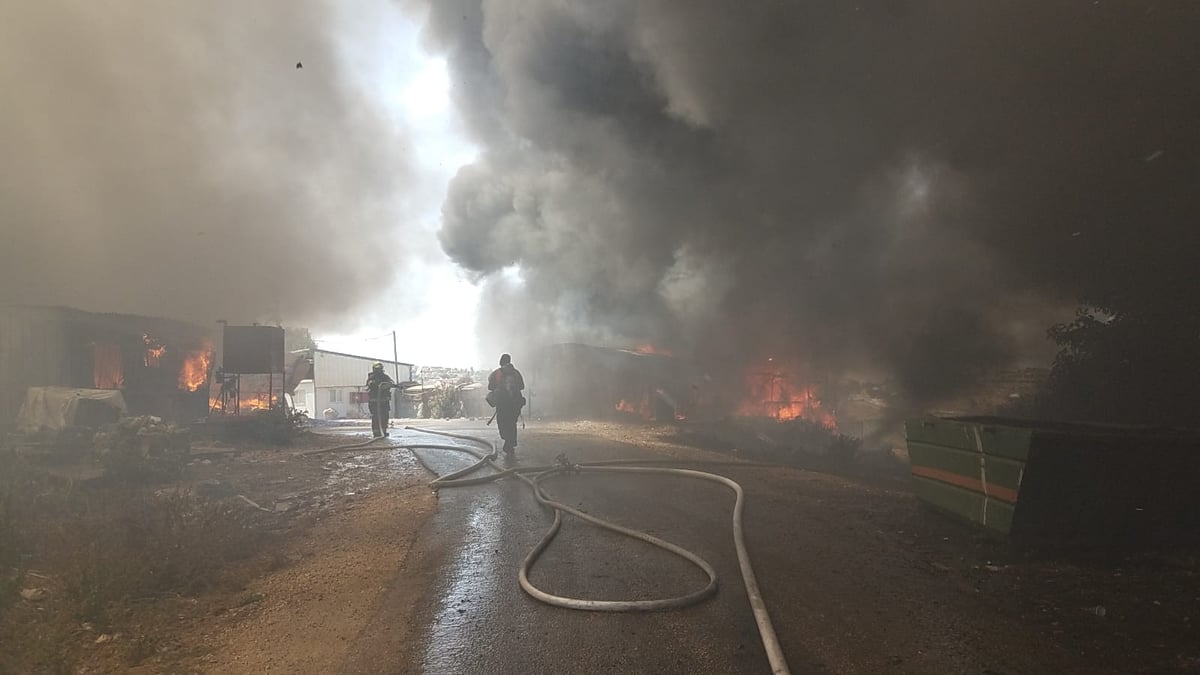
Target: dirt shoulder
[301, 618]
[344, 522]
[256, 559]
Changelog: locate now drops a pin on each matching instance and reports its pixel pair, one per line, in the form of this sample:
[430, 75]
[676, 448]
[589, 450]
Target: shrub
[444, 402]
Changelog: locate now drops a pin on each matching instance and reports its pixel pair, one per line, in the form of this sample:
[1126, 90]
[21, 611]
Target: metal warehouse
[338, 381]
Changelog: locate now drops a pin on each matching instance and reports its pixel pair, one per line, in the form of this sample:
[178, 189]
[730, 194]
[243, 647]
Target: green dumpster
[1059, 483]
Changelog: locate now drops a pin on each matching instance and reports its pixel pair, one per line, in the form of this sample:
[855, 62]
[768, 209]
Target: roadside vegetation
[79, 560]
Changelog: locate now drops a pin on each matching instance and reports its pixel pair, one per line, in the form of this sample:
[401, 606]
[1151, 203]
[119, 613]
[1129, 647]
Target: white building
[339, 383]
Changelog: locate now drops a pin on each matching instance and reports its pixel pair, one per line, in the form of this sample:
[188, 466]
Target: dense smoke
[170, 158]
[907, 188]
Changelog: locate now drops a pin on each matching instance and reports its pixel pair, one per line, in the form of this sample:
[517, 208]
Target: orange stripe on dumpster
[974, 484]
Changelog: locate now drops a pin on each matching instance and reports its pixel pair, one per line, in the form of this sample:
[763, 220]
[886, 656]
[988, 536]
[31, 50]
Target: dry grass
[98, 551]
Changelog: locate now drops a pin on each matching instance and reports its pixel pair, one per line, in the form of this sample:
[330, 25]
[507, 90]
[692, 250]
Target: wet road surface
[844, 595]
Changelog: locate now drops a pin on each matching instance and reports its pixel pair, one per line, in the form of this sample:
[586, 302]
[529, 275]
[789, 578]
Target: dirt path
[301, 618]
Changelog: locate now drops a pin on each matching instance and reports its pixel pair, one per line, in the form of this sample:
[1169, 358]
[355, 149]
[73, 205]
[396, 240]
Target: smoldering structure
[580, 381]
[646, 383]
[909, 190]
[161, 366]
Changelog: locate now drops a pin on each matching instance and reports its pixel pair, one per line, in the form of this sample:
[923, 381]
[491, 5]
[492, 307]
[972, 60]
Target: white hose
[765, 629]
[709, 589]
[348, 446]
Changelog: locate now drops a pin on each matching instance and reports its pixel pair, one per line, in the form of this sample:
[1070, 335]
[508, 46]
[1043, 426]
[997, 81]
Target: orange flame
[107, 367]
[647, 348]
[258, 401]
[642, 408]
[249, 402]
[770, 394]
[154, 351]
[194, 372]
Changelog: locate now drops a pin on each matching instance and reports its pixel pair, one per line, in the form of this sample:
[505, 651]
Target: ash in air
[180, 159]
[915, 189]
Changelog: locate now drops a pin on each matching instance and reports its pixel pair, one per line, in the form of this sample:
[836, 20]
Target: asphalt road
[844, 580]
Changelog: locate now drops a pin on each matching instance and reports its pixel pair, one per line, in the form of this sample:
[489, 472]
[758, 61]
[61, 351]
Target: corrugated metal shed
[33, 342]
[335, 369]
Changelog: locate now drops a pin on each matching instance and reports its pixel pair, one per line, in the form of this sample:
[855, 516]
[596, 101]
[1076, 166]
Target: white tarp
[55, 407]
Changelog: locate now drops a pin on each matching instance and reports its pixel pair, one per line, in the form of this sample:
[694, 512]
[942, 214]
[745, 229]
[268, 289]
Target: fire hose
[348, 446]
[538, 474]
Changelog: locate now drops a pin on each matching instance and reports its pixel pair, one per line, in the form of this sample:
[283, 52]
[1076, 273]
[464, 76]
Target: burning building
[578, 380]
[771, 392]
[161, 366]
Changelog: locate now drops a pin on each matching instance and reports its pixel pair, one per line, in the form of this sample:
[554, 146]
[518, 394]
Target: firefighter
[505, 385]
[379, 399]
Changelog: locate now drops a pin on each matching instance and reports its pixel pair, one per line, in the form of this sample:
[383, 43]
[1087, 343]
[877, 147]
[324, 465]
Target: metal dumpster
[1060, 483]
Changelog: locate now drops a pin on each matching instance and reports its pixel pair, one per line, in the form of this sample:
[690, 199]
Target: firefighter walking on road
[505, 385]
[379, 399]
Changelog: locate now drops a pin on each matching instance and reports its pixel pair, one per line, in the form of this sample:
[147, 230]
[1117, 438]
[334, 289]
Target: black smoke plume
[911, 188]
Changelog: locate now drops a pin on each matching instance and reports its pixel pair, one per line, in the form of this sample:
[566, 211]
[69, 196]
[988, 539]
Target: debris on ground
[142, 447]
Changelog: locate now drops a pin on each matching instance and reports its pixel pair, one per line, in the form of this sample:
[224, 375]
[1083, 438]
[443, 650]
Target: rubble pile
[141, 447]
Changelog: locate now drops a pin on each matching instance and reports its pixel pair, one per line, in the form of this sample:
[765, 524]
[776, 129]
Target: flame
[257, 401]
[771, 394]
[107, 367]
[642, 408]
[647, 348]
[249, 402]
[242, 395]
[193, 374]
[154, 351]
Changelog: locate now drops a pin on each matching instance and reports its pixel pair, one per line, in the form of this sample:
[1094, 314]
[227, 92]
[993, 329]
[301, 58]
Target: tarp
[54, 408]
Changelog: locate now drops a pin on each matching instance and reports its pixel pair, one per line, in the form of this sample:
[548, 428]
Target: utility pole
[395, 358]
[395, 366]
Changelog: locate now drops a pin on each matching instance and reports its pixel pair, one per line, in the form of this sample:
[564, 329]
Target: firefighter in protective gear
[379, 399]
[505, 385]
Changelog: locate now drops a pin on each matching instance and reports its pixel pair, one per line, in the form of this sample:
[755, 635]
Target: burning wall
[193, 374]
[772, 392]
[108, 367]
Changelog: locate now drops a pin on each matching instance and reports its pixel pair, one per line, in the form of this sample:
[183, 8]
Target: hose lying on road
[541, 473]
[348, 446]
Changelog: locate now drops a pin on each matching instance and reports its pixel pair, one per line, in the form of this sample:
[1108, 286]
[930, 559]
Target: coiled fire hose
[541, 473]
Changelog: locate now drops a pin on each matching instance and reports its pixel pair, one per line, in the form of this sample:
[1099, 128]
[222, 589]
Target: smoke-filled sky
[912, 188]
[169, 158]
